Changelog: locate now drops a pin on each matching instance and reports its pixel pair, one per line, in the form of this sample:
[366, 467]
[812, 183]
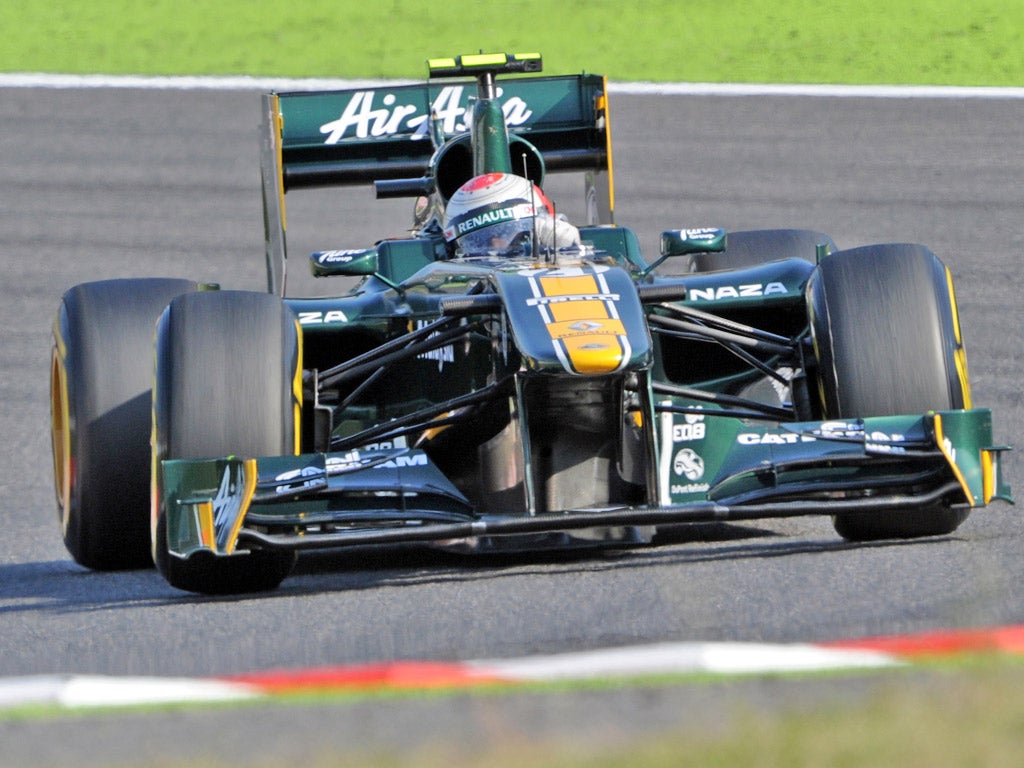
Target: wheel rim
[61, 437]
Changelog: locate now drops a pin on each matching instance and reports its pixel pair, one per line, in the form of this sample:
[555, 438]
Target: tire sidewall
[887, 341]
[101, 380]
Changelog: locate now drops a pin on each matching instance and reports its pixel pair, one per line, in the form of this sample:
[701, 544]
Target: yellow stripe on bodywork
[569, 311]
[960, 355]
[278, 130]
[944, 446]
[250, 474]
[297, 389]
[594, 353]
[580, 285]
[584, 326]
[207, 536]
[602, 108]
[988, 476]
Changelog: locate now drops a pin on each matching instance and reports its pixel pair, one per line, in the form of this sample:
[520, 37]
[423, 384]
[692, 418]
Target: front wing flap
[733, 461]
[363, 497]
[210, 502]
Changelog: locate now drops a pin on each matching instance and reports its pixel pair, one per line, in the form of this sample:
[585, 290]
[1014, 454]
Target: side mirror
[353, 263]
[680, 242]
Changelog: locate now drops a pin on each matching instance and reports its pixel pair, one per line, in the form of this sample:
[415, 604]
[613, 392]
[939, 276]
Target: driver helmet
[493, 215]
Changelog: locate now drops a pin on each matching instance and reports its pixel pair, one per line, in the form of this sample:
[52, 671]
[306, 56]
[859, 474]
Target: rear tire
[887, 340]
[226, 367]
[101, 378]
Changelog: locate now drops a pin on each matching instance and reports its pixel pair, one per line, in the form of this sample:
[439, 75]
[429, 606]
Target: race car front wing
[874, 466]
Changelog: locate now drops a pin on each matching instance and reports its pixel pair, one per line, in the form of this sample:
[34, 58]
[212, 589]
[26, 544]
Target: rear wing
[419, 132]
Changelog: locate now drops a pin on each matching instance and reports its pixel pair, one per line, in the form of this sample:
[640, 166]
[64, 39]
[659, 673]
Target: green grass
[946, 716]
[788, 41]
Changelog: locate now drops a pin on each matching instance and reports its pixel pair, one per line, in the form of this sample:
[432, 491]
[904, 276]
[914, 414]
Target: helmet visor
[503, 238]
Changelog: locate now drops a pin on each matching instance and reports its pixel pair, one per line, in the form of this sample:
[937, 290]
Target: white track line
[823, 90]
[73, 691]
[78, 691]
[239, 83]
[683, 658]
[242, 83]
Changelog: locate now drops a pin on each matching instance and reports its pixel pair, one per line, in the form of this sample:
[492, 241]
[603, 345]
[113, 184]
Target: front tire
[227, 366]
[101, 378]
[887, 339]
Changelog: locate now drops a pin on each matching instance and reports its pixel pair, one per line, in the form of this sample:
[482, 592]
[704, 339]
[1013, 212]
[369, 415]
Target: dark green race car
[536, 394]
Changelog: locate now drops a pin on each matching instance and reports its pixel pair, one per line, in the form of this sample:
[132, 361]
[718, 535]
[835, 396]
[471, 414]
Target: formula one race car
[501, 379]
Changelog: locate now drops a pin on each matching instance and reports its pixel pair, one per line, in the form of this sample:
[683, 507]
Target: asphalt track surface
[111, 183]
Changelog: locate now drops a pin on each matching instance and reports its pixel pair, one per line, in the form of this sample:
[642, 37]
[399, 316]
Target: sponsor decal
[387, 445]
[691, 488]
[358, 458]
[348, 462]
[377, 114]
[442, 355]
[300, 479]
[542, 300]
[227, 501]
[487, 218]
[230, 504]
[361, 458]
[579, 312]
[688, 463]
[320, 317]
[693, 429]
[772, 438]
[843, 430]
[886, 448]
[701, 234]
[408, 460]
[839, 430]
[716, 293]
[340, 256]
[828, 430]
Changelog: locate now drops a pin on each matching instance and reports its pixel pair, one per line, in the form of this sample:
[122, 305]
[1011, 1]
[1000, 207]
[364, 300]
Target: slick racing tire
[226, 367]
[751, 248]
[101, 377]
[887, 338]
